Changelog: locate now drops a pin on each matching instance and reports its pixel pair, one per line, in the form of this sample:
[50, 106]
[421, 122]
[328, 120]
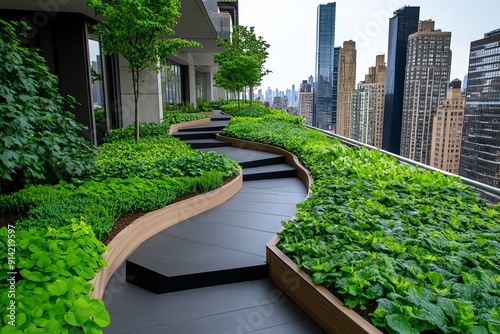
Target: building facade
[368, 108]
[480, 155]
[401, 25]
[323, 114]
[427, 76]
[368, 105]
[306, 102]
[447, 130]
[346, 84]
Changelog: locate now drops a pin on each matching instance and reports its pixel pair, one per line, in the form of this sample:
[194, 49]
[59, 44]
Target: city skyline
[290, 27]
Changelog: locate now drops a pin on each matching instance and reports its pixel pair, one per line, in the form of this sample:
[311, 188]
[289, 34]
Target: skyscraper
[306, 102]
[401, 25]
[427, 76]
[368, 106]
[480, 158]
[346, 85]
[325, 56]
[447, 130]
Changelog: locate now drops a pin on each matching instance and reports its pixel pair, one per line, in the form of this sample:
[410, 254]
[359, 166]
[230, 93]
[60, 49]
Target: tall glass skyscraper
[324, 116]
[480, 156]
[401, 25]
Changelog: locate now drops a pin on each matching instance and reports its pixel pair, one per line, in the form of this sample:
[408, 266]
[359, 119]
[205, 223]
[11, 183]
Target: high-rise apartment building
[447, 129]
[306, 102]
[368, 105]
[480, 159]
[428, 67]
[323, 113]
[346, 84]
[401, 25]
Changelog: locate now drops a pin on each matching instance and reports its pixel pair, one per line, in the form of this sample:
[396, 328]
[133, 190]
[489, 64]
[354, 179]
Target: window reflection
[97, 87]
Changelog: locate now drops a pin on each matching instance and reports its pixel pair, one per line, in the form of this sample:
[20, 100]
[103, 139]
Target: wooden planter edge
[152, 223]
[321, 305]
[176, 127]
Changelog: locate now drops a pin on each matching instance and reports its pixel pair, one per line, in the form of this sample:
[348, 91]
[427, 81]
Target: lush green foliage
[138, 30]
[102, 203]
[147, 130]
[32, 197]
[53, 267]
[155, 158]
[202, 105]
[257, 110]
[217, 104]
[423, 245]
[40, 140]
[242, 62]
[177, 117]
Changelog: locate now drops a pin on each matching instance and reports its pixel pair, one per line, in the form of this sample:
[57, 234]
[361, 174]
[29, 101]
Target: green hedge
[422, 245]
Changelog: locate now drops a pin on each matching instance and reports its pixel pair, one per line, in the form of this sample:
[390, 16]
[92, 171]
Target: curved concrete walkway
[208, 274]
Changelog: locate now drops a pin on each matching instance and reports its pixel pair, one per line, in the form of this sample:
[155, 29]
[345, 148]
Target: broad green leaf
[399, 324]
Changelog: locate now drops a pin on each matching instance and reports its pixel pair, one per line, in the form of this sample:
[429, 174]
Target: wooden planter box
[326, 309]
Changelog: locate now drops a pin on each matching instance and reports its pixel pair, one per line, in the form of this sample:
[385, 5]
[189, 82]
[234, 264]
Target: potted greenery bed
[410, 249]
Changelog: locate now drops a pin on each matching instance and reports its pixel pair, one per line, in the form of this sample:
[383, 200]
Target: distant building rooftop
[492, 33]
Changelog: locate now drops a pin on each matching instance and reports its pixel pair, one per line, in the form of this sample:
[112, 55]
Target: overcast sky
[289, 26]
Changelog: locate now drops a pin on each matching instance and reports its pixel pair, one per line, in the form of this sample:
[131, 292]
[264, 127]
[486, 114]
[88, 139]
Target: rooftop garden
[412, 249]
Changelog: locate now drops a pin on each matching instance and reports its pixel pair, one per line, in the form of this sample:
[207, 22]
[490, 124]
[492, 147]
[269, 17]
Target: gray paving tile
[173, 256]
[223, 236]
[232, 308]
[249, 220]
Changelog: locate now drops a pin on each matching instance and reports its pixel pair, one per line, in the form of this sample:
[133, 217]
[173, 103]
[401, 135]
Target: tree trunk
[238, 97]
[251, 96]
[135, 78]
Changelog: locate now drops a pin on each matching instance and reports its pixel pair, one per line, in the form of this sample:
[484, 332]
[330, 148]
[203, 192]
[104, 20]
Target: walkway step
[158, 283]
[205, 127]
[188, 135]
[269, 172]
[206, 143]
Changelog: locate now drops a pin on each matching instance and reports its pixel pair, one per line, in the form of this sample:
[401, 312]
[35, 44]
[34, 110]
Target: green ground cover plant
[52, 268]
[423, 245]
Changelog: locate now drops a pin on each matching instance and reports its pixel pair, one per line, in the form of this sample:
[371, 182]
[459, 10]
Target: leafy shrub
[156, 158]
[177, 117]
[31, 197]
[202, 105]
[40, 139]
[217, 104]
[146, 130]
[102, 203]
[210, 181]
[421, 244]
[51, 291]
[100, 212]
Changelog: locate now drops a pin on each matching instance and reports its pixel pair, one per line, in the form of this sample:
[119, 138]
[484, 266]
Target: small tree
[245, 42]
[236, 73]
[40, 140]
[139, 30]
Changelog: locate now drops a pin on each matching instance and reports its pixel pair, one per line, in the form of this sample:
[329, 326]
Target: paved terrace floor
[208, 274]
